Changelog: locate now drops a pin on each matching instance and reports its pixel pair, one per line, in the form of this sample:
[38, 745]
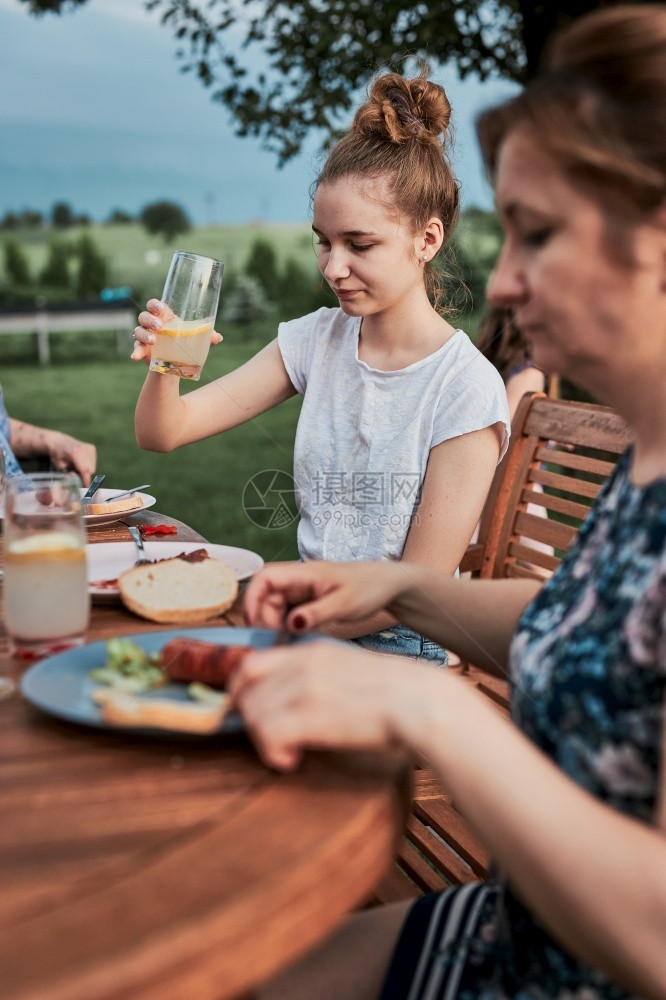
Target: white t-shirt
[364, 435]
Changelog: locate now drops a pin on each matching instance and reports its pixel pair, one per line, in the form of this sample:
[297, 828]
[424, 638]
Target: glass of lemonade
[191, 294]
[45, 586]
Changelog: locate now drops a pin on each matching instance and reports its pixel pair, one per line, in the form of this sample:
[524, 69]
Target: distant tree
[482, 220]
[302, 290]
[166, 218]
[465, 278]
[92, 272]
[262, 265]
[16, 263]
[62, 216]
[56, 270]
[118, 217]
[30, 217]
[246, 302]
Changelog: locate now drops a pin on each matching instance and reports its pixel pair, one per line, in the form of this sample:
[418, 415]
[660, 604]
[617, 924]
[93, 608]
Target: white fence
[43, 323]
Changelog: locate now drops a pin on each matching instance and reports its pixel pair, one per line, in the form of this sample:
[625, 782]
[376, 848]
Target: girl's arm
[455, 487]
[594, 877]
[530, 379]
[164, 420]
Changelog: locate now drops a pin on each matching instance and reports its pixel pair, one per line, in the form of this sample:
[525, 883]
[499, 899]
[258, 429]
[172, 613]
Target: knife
[126, 493]
[92, 489]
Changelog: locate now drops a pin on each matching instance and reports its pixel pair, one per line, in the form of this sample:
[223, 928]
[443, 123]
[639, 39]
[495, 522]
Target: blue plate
[60, 684]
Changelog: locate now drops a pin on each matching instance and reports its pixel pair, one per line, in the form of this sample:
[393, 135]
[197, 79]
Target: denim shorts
[402, 641]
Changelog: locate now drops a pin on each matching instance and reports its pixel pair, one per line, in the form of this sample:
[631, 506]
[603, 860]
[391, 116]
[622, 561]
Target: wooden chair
[559, 456]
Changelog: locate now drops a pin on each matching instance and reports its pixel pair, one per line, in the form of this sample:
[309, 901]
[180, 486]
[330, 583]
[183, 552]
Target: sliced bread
[179, 590]
[114, 506]
[161, 713]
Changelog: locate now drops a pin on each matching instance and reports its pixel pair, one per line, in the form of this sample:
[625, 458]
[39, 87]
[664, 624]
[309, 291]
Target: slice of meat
[187, 660]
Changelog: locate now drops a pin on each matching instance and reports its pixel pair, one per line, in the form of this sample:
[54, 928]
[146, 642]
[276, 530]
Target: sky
[95, 111]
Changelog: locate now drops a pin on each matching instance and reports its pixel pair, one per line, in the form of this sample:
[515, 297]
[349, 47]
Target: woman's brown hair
[501, 342]
[402, 133]
[598, 109]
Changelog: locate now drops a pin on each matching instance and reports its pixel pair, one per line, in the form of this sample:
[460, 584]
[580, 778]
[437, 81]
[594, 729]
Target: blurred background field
[137, 258]
[89, 391]
[202, 484]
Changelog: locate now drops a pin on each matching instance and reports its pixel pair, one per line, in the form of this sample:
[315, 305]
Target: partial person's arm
[164, 420]
[530, 379]
[594, 877]
[455, 487]
[63, 451]
[474, 618]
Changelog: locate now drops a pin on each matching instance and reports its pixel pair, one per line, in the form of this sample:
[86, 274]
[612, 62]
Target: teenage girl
[403, 420]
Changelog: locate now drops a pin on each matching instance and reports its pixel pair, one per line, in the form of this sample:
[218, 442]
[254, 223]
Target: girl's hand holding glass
[179, 329]
[151, 321]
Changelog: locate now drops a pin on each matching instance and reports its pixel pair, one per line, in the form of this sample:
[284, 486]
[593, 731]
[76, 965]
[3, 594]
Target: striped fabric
[432, 952]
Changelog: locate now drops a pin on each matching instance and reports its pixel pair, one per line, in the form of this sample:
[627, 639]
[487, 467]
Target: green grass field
[137, 259]
[94, 398]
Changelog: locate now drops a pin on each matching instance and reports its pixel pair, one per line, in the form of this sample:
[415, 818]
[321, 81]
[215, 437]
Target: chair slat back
[560, 454]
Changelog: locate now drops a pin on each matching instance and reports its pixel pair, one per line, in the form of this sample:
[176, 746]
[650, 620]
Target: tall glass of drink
[191, 295]
[45, 587]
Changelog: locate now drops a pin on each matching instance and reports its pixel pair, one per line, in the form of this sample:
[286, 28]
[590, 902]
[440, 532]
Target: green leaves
[310, 58]
[299, 65]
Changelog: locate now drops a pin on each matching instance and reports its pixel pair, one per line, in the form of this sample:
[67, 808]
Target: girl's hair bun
[401, 110]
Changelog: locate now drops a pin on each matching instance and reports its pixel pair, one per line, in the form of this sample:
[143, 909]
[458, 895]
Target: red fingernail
[298, 622]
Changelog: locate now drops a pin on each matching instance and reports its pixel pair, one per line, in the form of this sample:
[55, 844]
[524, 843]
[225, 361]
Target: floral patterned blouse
[588, 681]
[12, 468]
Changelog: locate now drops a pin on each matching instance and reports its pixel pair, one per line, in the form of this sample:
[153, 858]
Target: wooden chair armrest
[472, 560]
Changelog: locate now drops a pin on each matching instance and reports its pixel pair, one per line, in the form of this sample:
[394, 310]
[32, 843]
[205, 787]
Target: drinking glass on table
[45, 586]
[191, 295]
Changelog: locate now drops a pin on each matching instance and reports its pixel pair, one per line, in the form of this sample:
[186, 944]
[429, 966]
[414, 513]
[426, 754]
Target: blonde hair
[402, 133]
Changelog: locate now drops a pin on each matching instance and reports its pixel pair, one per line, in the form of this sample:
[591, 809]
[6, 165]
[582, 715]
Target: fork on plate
[138, 541]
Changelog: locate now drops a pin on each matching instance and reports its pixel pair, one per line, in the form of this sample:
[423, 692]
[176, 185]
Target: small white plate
[107, 559]
[92, 520]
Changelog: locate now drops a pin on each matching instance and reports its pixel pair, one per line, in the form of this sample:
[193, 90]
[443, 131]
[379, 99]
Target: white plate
[92, 520]
[107, 559]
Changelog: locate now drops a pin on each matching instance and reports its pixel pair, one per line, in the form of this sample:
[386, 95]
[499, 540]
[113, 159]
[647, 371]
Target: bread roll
[179, 590]
[161, 713]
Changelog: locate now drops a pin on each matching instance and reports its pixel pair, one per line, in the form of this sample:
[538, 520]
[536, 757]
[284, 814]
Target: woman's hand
[325, 694]
[304, 596]
[151, 321]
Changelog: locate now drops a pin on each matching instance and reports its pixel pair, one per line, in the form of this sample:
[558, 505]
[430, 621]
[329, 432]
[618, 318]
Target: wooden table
[168, 869]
